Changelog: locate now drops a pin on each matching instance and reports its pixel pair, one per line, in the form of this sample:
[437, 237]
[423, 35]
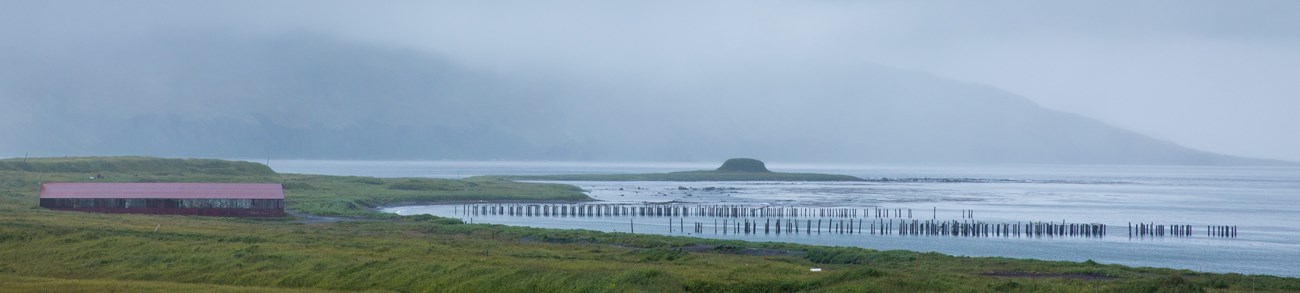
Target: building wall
[203, 207]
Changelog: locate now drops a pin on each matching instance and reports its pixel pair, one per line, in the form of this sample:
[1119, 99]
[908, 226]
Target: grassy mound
[743, 165]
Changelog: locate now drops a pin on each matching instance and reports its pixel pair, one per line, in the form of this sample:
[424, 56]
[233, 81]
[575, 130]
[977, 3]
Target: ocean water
[1263, 202]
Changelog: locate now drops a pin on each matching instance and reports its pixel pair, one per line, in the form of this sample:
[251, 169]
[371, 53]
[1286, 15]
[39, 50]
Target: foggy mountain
[314, 96]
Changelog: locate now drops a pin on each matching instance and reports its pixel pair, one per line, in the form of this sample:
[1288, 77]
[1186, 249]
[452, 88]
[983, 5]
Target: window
[56, 203]
[268, 204]
[161, 203]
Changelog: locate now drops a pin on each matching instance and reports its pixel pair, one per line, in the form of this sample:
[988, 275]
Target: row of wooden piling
[953, 228]
[743, 219]
[678, 210]
[1220, 231]
[1143, 230]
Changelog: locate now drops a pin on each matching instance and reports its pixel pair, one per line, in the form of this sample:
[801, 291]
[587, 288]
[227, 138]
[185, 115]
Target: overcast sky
[1219, 76]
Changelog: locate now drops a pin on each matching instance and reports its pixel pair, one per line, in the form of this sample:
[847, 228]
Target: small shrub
[1170, 284]
[661, 254]
[1176, 283]
[1009, 285]
[837, 255]
[1218, 283]
[641, 276]
[423, 185]
[419, 218]
[703, 286]
[447, 221]
[367, 180]
[432, 219]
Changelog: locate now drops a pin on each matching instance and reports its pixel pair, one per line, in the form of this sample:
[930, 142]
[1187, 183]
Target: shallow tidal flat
[1254, 200]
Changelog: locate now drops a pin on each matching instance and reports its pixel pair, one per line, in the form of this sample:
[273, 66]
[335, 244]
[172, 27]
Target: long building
[204, 199]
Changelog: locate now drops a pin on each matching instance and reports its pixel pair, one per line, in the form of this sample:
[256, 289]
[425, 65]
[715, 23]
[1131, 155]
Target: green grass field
[52, 251]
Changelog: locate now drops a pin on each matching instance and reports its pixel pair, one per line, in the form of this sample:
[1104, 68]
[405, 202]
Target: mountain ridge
[311, 96]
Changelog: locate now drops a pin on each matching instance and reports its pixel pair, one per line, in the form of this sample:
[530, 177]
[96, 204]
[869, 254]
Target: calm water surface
[1264, 202]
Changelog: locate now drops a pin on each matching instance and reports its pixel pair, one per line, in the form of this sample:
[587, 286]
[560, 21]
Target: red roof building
[204, 199]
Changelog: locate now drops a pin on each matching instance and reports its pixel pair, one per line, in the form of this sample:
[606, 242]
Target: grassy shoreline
[362, 196]
[72, 251]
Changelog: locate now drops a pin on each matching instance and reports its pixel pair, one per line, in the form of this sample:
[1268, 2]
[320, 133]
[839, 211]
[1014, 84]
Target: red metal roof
[163, 190]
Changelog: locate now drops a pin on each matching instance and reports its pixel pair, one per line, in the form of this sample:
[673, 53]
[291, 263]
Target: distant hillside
[740, 169]
[708, 175]
[125, 166]
[307, 96]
